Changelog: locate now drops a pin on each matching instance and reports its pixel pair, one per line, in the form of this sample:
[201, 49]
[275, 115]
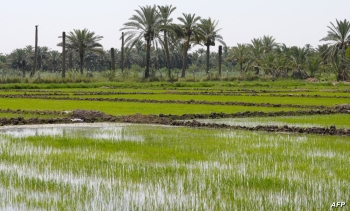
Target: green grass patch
[221, 98]
[126, 108]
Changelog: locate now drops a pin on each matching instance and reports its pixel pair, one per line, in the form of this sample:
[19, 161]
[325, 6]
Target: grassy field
[146, 167]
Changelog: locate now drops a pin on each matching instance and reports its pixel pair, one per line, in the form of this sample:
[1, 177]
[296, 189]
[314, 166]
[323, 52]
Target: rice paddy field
[115, 165]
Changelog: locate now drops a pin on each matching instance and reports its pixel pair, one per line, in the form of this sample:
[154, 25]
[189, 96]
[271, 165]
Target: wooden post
[220, 59]
[63, 54]
[113, 60]
[122, 59]
[36, 49]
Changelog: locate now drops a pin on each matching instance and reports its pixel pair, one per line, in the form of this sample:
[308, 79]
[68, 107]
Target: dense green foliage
[154, 43]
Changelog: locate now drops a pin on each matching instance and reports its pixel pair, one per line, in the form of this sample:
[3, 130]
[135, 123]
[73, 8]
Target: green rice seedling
[127, 108]
[249, 99]
[137, 167]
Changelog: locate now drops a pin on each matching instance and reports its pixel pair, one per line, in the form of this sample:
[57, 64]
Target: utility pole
[36, 49]
[63, 54]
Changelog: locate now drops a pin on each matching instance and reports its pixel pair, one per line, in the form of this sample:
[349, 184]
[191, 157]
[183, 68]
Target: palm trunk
[23, 68]
[208, 52]
[184, 59]
[122, 59]
[342, 63]
[241, 66]
[148, 57]
[167, 53]
[220, 59]
[63, 54]
[112, 59]
[81, 63]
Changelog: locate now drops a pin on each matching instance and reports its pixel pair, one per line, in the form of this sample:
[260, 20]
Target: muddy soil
[194, 102]
[183, 120]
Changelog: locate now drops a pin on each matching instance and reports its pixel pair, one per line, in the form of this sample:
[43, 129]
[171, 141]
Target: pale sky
[296, 22]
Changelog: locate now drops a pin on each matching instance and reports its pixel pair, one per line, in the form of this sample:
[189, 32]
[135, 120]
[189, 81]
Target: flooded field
[339, 120]
[105, 131]
[146, 167]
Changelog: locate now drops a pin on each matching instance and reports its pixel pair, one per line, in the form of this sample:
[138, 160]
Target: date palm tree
[240, 54]
[339, 35]
[191, 33]
[43, 53]
[17, 59]
[165, 12]
[210, 34]
[298, 60]
[268, 44]
[54, 60]
[83, 41]
[145, 24]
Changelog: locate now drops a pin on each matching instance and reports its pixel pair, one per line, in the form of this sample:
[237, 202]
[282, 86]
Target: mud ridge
[286, 129]
[204, 102]
[239, 93]
[173, 120]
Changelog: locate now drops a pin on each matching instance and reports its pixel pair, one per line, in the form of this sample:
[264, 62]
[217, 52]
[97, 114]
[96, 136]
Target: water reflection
[253, 122]
[108, 131]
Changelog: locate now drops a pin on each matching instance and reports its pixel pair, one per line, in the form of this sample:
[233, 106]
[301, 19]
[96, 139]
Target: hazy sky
[296, 22]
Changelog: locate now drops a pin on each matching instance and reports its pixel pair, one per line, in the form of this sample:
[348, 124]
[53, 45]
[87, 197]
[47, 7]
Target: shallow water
[252, 122]
[110, 131]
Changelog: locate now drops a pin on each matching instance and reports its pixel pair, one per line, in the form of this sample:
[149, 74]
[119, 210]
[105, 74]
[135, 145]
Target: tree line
[151, 40]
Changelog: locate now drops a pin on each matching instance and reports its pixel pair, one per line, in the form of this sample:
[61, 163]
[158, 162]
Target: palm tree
[140, 51]
[210, 35]
[83, 41]
[200, 59]
[54, 60]
[313, 64]
[145, 24]
[191, 32]
[165, 12]
[268, 44]
[42, 55]
[176, 49]
[339, 34]
[298, 60]
[16, 57]
[240, 54]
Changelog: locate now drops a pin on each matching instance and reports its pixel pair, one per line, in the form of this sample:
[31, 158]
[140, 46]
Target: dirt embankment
[193, 102]
[185, 120]
[68, 117]
[269, 128]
